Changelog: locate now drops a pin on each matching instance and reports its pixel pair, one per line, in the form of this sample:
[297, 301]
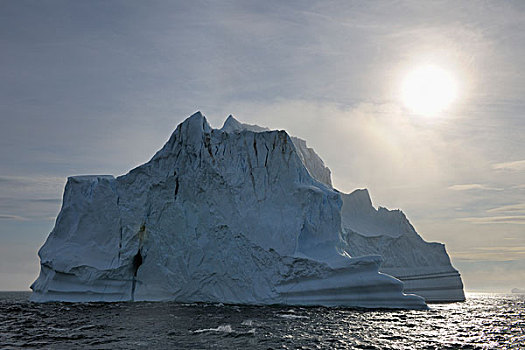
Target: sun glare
[428, 90]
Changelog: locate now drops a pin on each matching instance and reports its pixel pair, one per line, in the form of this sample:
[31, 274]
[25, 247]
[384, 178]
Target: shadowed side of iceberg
[81, 260]
[424, 267]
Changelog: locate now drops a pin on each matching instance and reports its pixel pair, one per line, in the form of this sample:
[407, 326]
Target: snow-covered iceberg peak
[216, 215]
[233, 125]
[311, 160]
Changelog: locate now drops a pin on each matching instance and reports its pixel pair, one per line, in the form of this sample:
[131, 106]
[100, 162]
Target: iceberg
[240, 215]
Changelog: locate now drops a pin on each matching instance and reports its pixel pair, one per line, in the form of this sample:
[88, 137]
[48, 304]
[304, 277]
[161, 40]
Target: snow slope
[217, 215]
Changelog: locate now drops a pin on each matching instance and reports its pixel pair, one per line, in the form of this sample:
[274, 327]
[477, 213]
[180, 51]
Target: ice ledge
[79, 178]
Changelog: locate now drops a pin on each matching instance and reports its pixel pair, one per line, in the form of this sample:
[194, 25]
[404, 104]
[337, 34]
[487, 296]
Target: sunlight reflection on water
[484, 321]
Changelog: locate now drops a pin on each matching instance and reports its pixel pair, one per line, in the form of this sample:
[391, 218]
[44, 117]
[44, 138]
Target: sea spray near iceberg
[228, 215]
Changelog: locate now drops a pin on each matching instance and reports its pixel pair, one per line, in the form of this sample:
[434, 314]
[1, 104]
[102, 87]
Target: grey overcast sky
[96, 87]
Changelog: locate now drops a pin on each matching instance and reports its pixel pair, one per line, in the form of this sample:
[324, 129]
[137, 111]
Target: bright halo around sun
[429, 90]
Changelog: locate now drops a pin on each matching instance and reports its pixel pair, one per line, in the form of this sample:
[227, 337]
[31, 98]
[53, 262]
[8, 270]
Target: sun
[428, 90]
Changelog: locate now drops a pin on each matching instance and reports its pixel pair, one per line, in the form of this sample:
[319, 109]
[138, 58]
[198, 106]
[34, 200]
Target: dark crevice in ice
[137, 261]
[120, 241]
[176, 186]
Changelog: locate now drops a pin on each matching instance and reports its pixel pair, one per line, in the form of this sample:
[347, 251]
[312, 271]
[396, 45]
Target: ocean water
[484, 321]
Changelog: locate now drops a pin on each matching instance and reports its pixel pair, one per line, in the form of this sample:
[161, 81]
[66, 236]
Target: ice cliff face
[424, 267]
[313, 163]
[217, 215]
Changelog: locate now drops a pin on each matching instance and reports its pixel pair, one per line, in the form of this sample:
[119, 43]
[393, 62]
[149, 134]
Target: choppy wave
[484, 321]
[223, 328]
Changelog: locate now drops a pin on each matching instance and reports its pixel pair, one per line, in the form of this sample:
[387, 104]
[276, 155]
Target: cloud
[24, 198]
[31, 180]
[508, 214]
[22, 209]
[36, 188]
[11, 217]
[502, 253]
[518, 219]
[468, 187]
[515, 215]
[518, 165]
[509, 208]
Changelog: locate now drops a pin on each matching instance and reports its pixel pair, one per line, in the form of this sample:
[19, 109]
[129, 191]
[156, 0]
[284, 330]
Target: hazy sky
[96, 87]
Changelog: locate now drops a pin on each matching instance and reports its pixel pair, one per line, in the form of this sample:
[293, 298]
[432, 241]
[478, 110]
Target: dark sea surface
[484, 321]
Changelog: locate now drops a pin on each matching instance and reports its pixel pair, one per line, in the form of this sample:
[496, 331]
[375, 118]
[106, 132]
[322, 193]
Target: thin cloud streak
[26, 198]
[508, 208]
[12, 217]
[498, 253]
[468, 187]
[518, 220]
[28, 184]
[518, 165]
